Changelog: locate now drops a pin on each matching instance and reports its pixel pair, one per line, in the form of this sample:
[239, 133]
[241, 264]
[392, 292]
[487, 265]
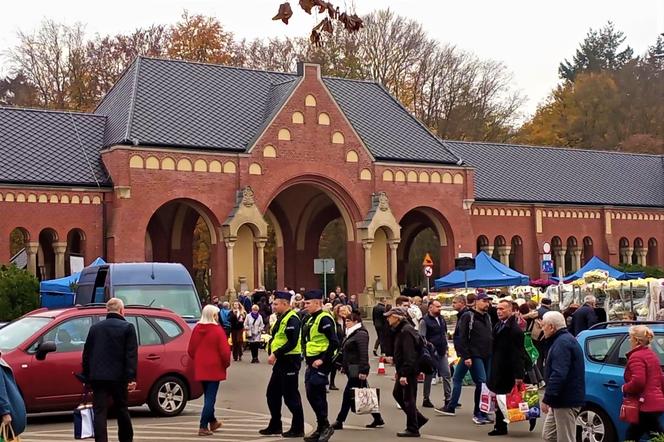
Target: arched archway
[572, 255]
[483, 245]
[558, 254]
[639, 252]
[424, 230]
[75, 248]
[312, 218]
[516, 253]
[184, 231]
[18, 239]
[625, 251]
[588, 249]
[46, 254]
[501, 250]
[653, 253]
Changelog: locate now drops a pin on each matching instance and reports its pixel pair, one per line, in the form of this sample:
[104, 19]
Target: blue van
[153, 284]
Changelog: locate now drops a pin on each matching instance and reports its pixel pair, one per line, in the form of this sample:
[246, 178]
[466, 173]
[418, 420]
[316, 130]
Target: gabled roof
[51, 148]
[185, 104]
[507, 172]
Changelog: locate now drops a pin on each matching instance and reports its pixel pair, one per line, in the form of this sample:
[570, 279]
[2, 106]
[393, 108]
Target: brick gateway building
[174, 142]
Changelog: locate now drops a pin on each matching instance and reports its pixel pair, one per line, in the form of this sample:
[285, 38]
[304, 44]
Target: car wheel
[594, 425]
[168, 396]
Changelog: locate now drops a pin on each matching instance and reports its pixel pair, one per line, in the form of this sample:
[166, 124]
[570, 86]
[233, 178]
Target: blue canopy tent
[57, 293]
[487, 273]
[597, 264]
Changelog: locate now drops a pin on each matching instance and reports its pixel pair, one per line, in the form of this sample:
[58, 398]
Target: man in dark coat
[585, 317]
[110, 358]
[406, 357]
[507, 360]
[378, 317]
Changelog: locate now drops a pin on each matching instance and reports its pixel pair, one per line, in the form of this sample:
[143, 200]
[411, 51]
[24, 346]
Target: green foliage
[19, 292]
[650, 271]
[599, 51]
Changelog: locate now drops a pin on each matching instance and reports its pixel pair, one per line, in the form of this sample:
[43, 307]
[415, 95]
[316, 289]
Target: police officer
[286, 357]
[320, 344]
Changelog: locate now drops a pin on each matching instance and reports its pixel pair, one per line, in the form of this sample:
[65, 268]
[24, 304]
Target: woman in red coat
[643, 379]
[209, 349]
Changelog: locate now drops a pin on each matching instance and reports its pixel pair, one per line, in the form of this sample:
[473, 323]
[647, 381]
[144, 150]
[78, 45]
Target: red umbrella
[543, 283]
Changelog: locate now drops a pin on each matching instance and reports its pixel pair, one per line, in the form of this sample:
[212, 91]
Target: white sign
[465, 255]
[76, 263]
[428, 271]
[546, 257]
[324, 266]
[546, 247]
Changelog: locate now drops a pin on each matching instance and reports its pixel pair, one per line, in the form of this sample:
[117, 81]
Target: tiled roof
[56, 148]
[507, 172]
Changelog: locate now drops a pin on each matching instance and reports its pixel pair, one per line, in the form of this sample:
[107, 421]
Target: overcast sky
[530, 36]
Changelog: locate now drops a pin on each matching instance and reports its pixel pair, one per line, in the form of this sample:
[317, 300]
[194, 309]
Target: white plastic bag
[366, 401]
[487, 400]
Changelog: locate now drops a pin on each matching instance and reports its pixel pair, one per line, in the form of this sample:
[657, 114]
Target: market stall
[487, 273]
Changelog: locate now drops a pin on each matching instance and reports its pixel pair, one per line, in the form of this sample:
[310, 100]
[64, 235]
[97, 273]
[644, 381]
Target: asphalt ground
[242, 407]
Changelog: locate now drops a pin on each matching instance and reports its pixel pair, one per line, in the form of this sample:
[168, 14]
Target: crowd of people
[501, 344]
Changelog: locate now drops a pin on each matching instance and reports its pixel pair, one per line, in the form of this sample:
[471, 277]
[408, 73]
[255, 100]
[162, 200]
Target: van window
[182, 299]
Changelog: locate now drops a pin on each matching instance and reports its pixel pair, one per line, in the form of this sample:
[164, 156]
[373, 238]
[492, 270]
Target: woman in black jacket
[355, 353]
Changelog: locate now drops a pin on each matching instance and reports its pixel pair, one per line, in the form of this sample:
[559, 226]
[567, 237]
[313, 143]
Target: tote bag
[366, 400]
[7, 433]
[84, 419]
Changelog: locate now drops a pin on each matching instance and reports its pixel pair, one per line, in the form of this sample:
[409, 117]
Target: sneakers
[376, 424]
[481, 420]
[445, 411]
[426, 403]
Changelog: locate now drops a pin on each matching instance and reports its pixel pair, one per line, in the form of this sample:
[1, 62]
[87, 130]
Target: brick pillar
[59, 248]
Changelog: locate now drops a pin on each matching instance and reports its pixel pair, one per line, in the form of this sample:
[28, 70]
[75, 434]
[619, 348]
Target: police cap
[313, 294]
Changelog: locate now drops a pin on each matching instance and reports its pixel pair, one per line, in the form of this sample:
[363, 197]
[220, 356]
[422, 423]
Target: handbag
[365, 400]
[629, 410]
[7, 433]
[84, 419]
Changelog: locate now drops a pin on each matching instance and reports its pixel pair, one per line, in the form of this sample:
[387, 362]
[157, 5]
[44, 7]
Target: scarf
[350, 330]
[254, 315]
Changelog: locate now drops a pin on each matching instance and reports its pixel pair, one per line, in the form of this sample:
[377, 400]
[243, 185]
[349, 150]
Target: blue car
[605, 347]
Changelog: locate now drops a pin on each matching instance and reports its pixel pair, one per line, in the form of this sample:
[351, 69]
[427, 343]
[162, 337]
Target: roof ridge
[532, 146]
[50, 111]
[355, 80]
[219, 65]
[116, 82]
[132, 100]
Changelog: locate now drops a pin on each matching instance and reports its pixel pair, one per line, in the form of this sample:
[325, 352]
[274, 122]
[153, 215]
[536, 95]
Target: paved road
[242, 408]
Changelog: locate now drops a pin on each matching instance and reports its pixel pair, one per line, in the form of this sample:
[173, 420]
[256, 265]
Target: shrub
[654, 272]
[19, 292]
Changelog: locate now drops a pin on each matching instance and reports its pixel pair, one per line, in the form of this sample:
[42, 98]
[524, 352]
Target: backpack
[426, 362]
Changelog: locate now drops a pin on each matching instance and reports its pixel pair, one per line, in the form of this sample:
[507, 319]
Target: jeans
[349, 395]
[210, 389]
[101, 390]
[478, 371]
[443, 371]
[648, 423]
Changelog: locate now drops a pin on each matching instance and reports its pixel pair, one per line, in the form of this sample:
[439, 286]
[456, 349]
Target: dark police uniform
[286, 346]
[320, 342]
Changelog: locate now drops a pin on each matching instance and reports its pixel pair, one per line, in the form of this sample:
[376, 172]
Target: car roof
[97, 309]
[621, 328]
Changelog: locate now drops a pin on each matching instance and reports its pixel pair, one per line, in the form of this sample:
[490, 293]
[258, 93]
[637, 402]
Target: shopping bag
[84, 419]
[365, 400]
[7, 433]
[521, 404]
[487, 400]
[531, 350]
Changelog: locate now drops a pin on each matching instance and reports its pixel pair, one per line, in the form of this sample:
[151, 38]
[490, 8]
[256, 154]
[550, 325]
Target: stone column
[626, 253]
[31, 249]
[560, 260]
[394, 281]
[260, 260]
[59, 248]
[230, 272]
[487, 249]
[576, 259]
[367, 244]
[642, 254]
[504, 255]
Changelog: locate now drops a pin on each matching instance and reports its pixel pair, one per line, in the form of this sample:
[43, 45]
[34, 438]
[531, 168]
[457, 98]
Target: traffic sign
[547, 266]
[546, 247]
[428, 271]
[546, 257]
[324, 266]
[427, 262]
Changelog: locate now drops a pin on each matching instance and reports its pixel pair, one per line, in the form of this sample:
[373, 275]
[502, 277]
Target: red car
[44, 348]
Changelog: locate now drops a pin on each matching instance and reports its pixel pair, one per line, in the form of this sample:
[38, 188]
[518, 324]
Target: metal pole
[465, 280]
[324, 279]
[631, 298]
[428, 285]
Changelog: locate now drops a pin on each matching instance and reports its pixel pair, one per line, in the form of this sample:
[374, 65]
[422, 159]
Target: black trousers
[284, 384]
[254, 346]
[500, 423]
[102, 390]
[349, 395]
[648, 423]
[315, 385]
[406, 397]
[379, 339]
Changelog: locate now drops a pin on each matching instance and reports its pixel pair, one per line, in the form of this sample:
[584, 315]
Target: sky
[531, 37]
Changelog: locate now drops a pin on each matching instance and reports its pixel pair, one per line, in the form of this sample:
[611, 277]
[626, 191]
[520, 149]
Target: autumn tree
[600, 50]
[17, 90]
[200, 38]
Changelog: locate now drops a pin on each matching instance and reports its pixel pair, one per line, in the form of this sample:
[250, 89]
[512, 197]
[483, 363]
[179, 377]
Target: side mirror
[43, 349]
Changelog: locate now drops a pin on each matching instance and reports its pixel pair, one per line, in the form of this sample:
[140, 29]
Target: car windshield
[15, 333]
[182, 299]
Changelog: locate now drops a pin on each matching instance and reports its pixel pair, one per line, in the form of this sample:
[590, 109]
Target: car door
[58, 387]
[150, 357]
